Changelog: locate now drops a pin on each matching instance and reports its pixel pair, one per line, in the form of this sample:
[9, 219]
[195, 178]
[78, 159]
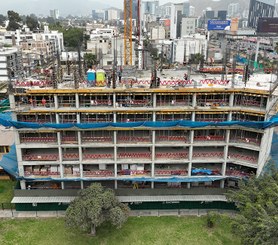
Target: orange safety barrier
[99, 173]
[247, 158]
[97, 156]
[39, 139]
[134, 155]
[209, 137]
[173, 155]
[40, 157]
[237, 173]
[246, 140]
[70, 155]
[208, 154]
[134, 139]
[171, 172]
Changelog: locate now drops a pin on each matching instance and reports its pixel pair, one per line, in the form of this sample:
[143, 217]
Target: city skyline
[66, 7]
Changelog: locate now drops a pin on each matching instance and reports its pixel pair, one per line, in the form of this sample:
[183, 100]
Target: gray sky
[76, 7]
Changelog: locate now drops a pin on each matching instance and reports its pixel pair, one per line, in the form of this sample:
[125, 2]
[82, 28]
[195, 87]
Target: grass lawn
[138, 230]
[6, 190]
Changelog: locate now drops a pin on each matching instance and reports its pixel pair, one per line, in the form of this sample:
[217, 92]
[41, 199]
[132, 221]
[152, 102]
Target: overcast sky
[76, 7]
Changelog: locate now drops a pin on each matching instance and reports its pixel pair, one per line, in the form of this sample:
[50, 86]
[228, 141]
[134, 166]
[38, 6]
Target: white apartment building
[188, 25]
[158, 33]
[188, 45]
[10, 63]
[15, 37]
[112, 14]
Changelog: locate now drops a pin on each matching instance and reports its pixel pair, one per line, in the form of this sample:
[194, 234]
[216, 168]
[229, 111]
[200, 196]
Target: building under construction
[169, 143]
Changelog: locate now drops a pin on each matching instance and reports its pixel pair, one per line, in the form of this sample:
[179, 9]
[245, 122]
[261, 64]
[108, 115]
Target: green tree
[32, 23]
[257, 201]
[14, 21]
[90, 59]
[196, 58]
[94, 206]
[73, 37]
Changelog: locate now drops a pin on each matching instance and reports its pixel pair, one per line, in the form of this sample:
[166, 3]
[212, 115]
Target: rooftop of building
[170, 81]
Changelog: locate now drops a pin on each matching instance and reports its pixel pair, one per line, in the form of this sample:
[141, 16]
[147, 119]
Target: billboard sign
[267, 25]
[219, 25]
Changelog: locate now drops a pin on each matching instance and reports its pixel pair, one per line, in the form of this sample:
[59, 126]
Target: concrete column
[81, 184]
[230, 117]
[265, 149]
[77, 101]
[116, 184]
[226, 151]
[78, 117]
[63, 185]
[114, 100]
[191, 136]
[57, 118]
[115, 161]
[193, 116]
[56, 106]
[231, 100]
[153, 153]
[154, 100]
[81, 171]
[12, 101]
[23, 184]
[194, 100]
[114, 117]
[152, 185]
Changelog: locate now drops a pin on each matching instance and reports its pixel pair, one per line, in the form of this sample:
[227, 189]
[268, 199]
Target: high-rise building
[176, 15]
[233, 9]
[55, 14]
[209, 14]
[222, 15]
[191, 11]
[186, 8]
[260, 8]
[149, 12]
[165, 10]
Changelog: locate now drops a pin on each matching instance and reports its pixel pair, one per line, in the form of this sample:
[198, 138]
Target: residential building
[10, 64]
[188, 25]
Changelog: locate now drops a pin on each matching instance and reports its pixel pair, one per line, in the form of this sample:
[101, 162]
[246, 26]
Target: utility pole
[114, 64]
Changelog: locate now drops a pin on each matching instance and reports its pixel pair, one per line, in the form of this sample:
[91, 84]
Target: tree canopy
[257, 200]
[73, 36]
[14, 21]
[94, 206]
[32, 23]
[90, 59]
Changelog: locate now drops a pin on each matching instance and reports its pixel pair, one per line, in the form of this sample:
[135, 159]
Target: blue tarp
[201, 171]
[9, 162]
[134, 179]
[163, 124]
